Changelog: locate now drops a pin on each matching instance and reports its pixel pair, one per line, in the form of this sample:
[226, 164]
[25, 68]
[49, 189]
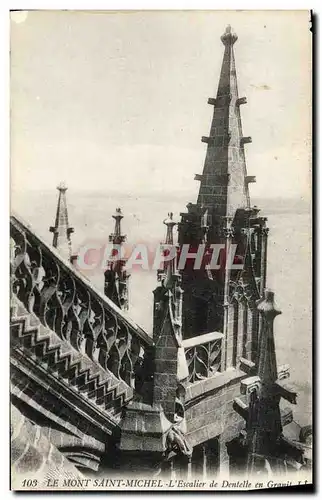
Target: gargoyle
[177, 442]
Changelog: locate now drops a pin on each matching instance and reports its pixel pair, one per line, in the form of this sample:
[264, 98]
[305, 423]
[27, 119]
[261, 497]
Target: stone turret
[154, 426]
[267, 447]
[116, 277]
[170, 363]
[61, 229]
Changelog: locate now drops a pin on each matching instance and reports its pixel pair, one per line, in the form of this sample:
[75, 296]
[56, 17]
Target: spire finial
[118, 215]
[62, 187]
[229, 37]
[116, 286]
[170, 223]
[61, 229]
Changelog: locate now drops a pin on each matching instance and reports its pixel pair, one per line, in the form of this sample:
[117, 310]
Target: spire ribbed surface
[61, 230]
[223, 186]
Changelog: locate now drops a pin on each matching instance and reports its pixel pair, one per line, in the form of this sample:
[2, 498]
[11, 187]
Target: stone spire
[116, 277]
[265, 427]
[267, 367]
[117, 237]
[170, 273]
[223, 215]
[61, 230]
[170, 367]
[170, 281]
[264, 418]
[224, 181]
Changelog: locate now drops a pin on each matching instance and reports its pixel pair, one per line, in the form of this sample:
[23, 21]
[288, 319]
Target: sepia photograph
[160, 250]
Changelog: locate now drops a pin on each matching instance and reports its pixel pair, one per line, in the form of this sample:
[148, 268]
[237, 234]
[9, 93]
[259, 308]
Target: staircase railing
[203, 354]
[68, 304]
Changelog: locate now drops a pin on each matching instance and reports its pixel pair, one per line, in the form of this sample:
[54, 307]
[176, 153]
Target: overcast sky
[118, 101]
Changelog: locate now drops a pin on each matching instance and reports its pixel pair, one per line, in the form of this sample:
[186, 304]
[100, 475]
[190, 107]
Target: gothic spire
[167, 329]
[266, 443]
[224, 182]
[170, 267]
[116, 276]
[61, 229]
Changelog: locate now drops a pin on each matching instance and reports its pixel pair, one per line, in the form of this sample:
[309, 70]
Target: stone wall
[209, 407]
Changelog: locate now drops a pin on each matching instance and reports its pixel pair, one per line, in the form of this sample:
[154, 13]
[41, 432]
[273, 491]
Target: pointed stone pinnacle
[169, 222]
[61, 229]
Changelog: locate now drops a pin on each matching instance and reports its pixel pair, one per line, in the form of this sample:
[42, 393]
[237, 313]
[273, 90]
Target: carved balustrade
[203, 354]
[68, 304]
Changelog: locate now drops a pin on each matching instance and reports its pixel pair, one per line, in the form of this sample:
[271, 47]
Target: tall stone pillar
[223, 456]
[228, 233]
[189, 469]
[264, 237]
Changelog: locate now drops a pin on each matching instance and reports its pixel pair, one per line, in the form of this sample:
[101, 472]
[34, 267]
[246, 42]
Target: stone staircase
[80, 374]
[76, 358]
